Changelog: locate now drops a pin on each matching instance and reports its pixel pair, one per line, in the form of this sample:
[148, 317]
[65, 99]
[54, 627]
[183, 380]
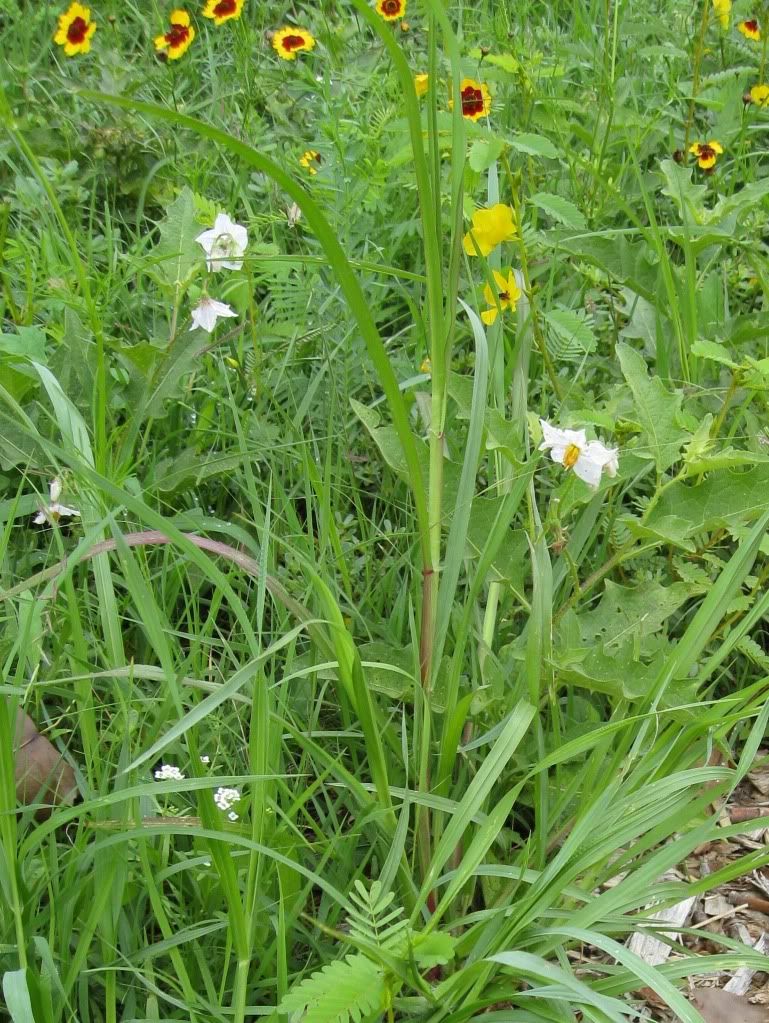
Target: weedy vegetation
[383, 502]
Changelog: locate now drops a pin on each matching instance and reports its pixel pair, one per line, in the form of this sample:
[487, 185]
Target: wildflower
[205, 759]
[391, 10]
[723, 8]
[572, 450]
[475, 98]
[293, 214]
[309, 159]
[75, 30]
[177, 39]
[489, 227]
[225, 799]
[224, 244]
[54, 511]
[759, 95]
[167, 772]
[208, 312]
[222, 10]
[506, 297]
[287, 42]
[421, 83]
[426, 366]
[750, 29]
[706, 153]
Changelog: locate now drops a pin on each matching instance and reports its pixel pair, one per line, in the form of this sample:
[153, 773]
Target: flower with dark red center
[75, 30]
[310, 160]
[759, 94]
[177, 39]
[475, 99]
[222, 10]
[750, 29]
[287, 42]
[706, 153]
[391, 10]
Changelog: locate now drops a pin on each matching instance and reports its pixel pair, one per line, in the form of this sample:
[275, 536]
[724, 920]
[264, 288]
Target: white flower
[205, 759]
[225, 799]
[232, 815]
[293, 214]
[167, 772]
[572, 450]
[224, 244]
[54, 511]
[208, 312]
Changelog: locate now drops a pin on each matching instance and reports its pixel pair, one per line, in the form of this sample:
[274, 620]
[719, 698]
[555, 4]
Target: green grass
[458, 689]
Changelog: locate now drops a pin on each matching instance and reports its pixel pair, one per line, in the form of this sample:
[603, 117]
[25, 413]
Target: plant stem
[698, 54]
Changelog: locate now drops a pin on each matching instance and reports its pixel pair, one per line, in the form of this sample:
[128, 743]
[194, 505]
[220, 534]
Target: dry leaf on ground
[42, 774]
[717, 1006]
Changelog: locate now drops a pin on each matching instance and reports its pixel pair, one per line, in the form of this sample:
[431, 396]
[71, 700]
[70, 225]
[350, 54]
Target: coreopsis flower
[176, 41]
[391, 10]
[475, 99]
[723, 8]
[287, 42]
[572, 450]
[750, 29]
[208, 311]
[759, 95]
[75, 30]
[310, 160]
[421, 83]
[168, 772]
[224, 244]
[489, 227]
[707, 153]
[223, 10]
[225, 799]
[506, 296]
[54, 511]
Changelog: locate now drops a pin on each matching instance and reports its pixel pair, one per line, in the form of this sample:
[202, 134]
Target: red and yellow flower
[750, 29]
[475, 98]
[222, 10]
[310, 160]
[707, 153]
[759, 94]
[75, 30]
[176, 41]
[506, 296]
[391, 10]
[287, 42]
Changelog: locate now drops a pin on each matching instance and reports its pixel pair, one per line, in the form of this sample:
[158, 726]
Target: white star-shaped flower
[224, 244]
[208, 312]
[54, 511]
[168, 772]
[572, 450]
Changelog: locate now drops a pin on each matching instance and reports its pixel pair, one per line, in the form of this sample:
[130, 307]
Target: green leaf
[560, 209]
[27, 342]
[657, 408]
[688, 197]
[713, 351]
[349, 988]
[17, 999]
[484, 152]
[570, 334]
[534, 145]
[177, 251]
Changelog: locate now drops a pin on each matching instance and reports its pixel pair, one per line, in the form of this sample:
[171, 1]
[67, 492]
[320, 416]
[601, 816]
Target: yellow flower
[506, 297]
[177, 39]
[287, 42]
[750, 29]
[309, 159]
[759, 95]
[489, 228]
[475, 97]
[426, 366]
[391, 10]
[706, 153]
[223, 10]
[723, 8]
[75, 30]
[420, 84]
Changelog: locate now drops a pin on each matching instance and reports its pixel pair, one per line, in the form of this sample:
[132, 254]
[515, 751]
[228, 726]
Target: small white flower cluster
[224, 245]
[571, 449]
[54, 511]
[168, 772]
[225, 799]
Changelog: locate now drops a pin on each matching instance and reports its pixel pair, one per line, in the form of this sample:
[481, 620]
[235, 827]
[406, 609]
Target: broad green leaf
[713, 351]
[27, 342]
[534, 145]
[657, 408]
[560, 209]
[177, 251]
[483, 152]
[17, 999]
